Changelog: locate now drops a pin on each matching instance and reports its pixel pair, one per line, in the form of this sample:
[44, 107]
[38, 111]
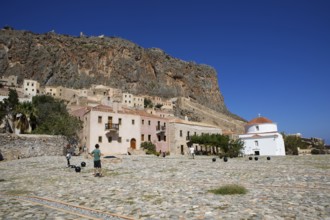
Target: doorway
[133, 143]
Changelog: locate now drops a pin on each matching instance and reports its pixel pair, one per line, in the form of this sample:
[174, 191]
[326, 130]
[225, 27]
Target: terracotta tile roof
[259, 120]
[80, 112]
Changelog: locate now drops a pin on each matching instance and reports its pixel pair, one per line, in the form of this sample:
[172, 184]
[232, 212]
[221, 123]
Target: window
[119, 121]
[180, 133]
[99, 120]
[256, 143]
[143, 121]
[133, 121]
[149, 122]
[100, 139]
[119, 139]
[257, 127]
[109, 139]
[149, 137]
[164, 138]
[158, 137]
[142, 137]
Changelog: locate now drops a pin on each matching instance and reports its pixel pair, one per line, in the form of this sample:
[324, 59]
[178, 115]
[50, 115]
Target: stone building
[31, 87]
[180, 132]
[8, 81]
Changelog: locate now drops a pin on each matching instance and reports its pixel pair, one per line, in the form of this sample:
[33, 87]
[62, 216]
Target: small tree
[8, 110]
[149, 147]
[159, 106]
[292, 143]
[235, 147]
[148, 103]
[221, 142]
[53, 118]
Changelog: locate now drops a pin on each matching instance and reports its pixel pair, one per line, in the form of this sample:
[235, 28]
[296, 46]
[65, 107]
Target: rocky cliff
[78, 62]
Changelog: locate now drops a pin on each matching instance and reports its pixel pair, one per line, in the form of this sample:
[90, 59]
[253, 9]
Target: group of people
[96, 153]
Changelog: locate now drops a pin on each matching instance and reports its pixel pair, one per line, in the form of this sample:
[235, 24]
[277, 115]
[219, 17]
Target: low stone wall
[24, 146]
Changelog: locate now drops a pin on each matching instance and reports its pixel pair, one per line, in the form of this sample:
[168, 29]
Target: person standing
[68, 154]
[192, 151]
[96, 153]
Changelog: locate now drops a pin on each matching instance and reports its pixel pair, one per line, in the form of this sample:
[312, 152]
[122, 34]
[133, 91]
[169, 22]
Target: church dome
[260, 125]
[259, 120]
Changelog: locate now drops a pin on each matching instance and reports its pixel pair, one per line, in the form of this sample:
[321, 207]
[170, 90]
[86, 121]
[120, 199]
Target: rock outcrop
[79, 62]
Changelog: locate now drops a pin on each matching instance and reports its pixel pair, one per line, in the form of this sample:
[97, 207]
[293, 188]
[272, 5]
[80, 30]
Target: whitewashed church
[262, 138]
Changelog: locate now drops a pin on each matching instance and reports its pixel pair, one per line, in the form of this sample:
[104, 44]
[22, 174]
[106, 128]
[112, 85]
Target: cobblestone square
[174, 187]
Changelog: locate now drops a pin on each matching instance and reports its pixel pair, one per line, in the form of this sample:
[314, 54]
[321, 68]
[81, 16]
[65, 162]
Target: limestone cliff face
[78, 62]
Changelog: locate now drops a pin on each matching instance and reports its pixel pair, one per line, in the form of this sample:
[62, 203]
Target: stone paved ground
[148, 187]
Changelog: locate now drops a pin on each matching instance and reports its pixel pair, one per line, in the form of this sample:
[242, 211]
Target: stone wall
[24, 146]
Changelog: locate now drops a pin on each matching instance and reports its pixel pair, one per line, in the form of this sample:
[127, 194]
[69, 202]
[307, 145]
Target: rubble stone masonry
[24, 146]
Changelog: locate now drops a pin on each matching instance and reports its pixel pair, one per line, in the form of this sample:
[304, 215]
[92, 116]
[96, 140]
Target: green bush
[315, 151]
[149, 147]
[229, 190]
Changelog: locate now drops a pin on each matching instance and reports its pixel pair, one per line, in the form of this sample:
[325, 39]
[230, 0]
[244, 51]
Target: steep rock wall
[78, 62]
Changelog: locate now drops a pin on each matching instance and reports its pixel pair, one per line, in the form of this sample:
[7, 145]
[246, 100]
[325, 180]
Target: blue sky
[272, 56]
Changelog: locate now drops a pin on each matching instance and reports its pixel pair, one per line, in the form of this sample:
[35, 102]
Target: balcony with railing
[160, 129]
[112, 126]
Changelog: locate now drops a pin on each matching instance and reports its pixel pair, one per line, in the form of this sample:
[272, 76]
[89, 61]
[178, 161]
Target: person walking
[96, 153]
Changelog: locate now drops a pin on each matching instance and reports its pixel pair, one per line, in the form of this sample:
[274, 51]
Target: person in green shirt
[96, 153]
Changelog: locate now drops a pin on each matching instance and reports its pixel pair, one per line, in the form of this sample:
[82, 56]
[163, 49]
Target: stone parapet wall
[24, 146]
